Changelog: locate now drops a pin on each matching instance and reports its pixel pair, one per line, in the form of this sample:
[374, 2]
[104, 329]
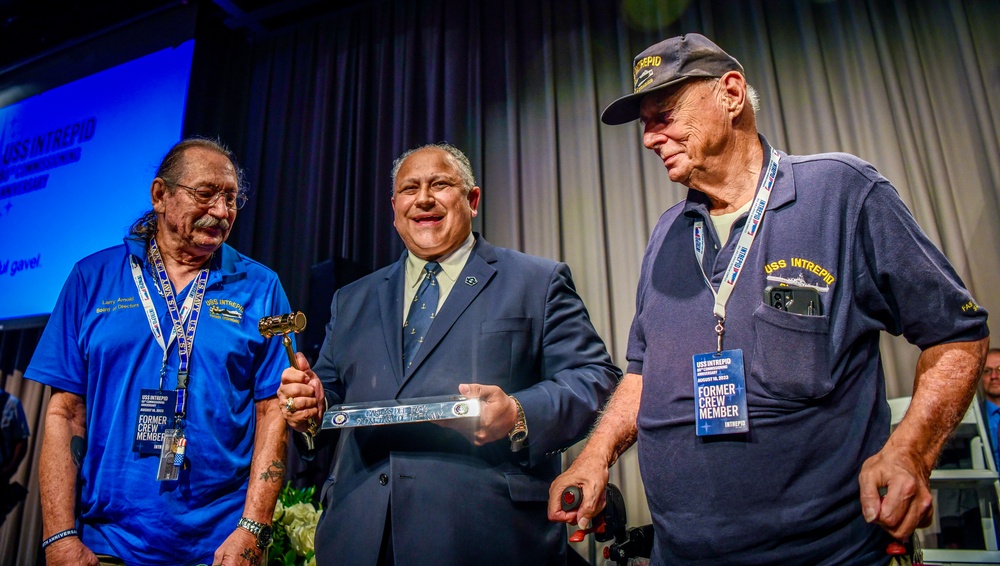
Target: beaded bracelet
[60, 535]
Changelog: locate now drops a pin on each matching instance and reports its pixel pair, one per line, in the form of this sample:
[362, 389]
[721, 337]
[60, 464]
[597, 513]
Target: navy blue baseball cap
[666, 64]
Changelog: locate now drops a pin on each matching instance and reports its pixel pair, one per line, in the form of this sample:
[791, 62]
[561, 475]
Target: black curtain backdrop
[319, 110]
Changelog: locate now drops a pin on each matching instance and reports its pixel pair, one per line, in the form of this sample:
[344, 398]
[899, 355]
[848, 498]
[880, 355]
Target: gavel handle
[287, 341]
[310, 443]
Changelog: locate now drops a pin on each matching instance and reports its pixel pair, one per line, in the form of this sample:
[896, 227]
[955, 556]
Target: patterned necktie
[421, 314]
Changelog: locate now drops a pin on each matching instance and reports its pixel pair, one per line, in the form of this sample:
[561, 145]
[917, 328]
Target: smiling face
[688, 128]
[183, 225]
[433, 207]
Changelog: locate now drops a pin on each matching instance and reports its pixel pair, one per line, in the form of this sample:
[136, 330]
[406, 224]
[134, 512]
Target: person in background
[163, 413]
[958, 508]
[14, 434]
[991, 400]
[754, 386]
[454, 315]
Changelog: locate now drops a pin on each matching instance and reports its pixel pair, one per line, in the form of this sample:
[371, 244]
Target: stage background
[319, 108]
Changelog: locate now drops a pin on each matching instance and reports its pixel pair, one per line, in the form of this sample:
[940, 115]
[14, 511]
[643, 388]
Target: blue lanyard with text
[189, 311]
[750, 231]
[151, 316]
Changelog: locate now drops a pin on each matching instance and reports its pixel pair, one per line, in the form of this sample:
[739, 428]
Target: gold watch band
[519, 433]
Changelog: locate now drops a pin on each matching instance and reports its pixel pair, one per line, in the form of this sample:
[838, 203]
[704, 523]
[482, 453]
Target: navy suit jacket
[511, 320]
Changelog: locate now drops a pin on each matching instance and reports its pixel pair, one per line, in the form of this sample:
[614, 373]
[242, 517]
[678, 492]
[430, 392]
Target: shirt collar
[451, 264]
[697, 202]
[991, 407]
[224, 259]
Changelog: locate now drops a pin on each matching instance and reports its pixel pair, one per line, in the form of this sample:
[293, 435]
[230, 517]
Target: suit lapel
[390, 298]
[475, 277]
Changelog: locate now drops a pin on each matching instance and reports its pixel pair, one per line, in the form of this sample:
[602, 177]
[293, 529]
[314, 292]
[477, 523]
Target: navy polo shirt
[787, 491]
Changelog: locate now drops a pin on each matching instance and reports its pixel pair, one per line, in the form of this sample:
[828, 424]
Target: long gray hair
[171, 168]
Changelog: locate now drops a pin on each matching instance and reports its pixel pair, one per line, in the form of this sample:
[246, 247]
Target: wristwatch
[259, 530]
[519, 433]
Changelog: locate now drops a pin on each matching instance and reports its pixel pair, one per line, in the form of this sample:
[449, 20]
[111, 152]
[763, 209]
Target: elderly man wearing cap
[754, 386]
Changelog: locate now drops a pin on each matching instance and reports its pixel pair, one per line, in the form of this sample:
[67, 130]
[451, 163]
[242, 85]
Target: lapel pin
[471, 281]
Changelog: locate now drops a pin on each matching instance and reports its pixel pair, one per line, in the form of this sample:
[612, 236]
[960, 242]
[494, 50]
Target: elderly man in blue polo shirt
[755, 388]
[163, 412]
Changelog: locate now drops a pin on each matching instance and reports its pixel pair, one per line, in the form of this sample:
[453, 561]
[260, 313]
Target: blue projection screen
[78, 161]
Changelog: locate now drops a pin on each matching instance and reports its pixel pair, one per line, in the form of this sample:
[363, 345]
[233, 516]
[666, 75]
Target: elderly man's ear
[733, 91]
[156, 193]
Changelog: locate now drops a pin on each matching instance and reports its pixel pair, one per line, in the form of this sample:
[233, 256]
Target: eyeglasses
[206, 196]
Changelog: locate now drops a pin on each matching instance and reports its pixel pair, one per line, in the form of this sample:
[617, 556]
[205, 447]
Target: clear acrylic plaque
[401, 411]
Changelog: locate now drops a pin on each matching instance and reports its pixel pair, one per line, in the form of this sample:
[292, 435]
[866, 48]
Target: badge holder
[720, 393]
[156, 414]
[171, 455]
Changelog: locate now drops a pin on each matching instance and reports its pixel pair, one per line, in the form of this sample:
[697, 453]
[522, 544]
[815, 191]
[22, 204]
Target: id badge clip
[720, 394]
[171, 455]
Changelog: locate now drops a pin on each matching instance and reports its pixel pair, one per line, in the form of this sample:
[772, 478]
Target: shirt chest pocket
[791, 356]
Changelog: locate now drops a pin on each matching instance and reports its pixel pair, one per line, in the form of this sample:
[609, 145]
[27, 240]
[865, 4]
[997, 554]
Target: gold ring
[290, 405]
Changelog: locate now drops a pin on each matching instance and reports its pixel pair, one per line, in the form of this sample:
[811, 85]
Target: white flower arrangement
[294, 524]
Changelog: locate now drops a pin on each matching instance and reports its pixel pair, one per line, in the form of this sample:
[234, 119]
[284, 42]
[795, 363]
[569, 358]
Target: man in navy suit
[508, 329]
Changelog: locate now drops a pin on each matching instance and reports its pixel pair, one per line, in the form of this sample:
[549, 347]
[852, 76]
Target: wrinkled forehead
[670, 97]
[428, 162]
[208, 165]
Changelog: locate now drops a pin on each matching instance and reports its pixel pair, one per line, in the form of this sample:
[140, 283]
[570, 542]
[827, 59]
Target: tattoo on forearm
[77, 448]
[251, 556]
[275, 472]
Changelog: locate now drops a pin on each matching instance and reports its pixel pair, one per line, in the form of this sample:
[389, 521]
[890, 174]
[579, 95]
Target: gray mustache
[212, 222]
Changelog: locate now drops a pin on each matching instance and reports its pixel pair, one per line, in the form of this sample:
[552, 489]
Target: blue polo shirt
[991, 413]
[787, 491]
[98, 344]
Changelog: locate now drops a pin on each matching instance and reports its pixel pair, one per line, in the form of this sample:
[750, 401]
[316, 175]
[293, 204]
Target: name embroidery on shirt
[117, 304]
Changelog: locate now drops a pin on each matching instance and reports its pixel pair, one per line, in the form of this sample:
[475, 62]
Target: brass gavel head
[282, 324]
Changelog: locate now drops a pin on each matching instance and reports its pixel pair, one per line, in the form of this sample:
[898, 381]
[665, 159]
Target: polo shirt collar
[224, 263]
[782, 193]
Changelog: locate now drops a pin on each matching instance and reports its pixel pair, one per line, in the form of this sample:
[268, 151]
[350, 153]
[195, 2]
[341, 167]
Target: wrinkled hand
[305, 390]
[588, 473]
[70, 550]
[907, 504]
[497, 414]
[239, 549]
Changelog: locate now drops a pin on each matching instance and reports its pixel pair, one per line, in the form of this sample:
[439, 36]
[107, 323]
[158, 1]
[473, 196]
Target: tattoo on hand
[251, 556]
[275, 472]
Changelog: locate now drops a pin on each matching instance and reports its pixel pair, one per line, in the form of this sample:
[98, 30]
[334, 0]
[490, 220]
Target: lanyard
[189, 311]
[750, 231]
